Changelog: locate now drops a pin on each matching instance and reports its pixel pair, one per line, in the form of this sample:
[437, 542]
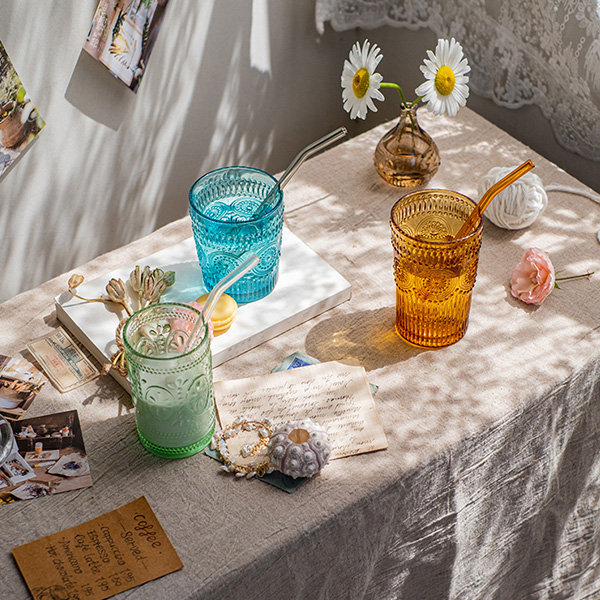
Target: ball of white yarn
[517, 206]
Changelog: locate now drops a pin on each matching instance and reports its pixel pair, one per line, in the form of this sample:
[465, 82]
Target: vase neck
[408, 118]
[405, 112]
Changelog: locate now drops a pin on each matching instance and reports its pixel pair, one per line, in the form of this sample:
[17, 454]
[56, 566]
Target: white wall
[229, 82]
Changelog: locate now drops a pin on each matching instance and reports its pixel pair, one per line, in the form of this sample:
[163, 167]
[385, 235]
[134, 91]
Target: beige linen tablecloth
[490, 486]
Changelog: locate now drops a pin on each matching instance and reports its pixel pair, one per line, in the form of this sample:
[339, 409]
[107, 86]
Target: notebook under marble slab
[307, 286]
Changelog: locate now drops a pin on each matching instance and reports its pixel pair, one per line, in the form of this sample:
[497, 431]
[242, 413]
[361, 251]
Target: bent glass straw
[251, 261]
[295, 165]
[501, 184]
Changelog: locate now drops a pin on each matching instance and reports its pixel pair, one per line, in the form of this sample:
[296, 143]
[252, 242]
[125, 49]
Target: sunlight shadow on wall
[111, 106]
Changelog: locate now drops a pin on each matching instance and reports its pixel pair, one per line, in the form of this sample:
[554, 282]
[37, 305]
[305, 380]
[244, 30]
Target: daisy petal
[371, 105]
[362, 58]
[449, 54]
[434, 59]
[377, 95]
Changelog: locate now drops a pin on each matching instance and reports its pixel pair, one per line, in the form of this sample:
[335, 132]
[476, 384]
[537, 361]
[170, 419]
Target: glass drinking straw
[489, 195]
[307, 152]
[251, 261]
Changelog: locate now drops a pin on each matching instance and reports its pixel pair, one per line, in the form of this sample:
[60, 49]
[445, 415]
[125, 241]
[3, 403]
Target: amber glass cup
[434, 273]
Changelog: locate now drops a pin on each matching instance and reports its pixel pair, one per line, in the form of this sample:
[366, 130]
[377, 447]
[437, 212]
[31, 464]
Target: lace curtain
[543, 52]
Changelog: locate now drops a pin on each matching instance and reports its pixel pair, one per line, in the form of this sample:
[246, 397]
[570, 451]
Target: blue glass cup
[223, 207]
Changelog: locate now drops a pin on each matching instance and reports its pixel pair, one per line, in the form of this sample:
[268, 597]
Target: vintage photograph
[122, 35]
[49, 457]
[20, 383]
[20, 121]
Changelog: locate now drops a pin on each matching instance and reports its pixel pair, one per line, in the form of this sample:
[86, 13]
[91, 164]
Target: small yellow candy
[224, 313]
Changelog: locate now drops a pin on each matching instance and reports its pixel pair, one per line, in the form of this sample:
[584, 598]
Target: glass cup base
[428, 344]
[181, 452]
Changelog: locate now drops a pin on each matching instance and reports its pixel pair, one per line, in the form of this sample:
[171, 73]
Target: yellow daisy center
[360, 82]
[444, 80]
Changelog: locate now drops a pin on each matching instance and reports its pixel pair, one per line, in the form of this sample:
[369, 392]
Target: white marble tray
[307, 286]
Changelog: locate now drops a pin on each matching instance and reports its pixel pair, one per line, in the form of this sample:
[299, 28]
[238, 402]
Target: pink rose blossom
[533, 278]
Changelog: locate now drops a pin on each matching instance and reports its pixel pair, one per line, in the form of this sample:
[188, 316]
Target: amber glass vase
[406, 156]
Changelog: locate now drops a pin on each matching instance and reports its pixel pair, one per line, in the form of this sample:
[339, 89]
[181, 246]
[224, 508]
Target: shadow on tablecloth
[367, 336]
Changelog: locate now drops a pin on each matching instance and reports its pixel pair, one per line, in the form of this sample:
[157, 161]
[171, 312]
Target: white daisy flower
[445, 87]
[360, 83]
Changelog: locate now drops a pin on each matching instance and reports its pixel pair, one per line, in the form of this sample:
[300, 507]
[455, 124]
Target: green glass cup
[171, 379]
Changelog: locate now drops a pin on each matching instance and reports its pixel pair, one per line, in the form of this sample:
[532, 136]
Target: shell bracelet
[264, 429]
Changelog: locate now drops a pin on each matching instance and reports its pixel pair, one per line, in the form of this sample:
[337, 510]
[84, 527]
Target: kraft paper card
[100, 558]
[63, 362]
[335, 395]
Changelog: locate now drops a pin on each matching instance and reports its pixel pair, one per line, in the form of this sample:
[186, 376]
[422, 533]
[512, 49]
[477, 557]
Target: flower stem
[72, 291]
[580, 276]
[405, 104]
[415, 102]
[123, 303]
[396, 87]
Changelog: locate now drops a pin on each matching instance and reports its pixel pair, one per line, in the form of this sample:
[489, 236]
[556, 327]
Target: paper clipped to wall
[122, 35]
[20, 121]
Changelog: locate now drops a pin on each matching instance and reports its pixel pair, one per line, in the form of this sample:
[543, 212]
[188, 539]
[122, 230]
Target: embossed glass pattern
[222, 204]
[171, 388]
[434, 274]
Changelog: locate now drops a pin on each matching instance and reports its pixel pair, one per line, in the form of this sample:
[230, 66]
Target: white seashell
[517, 206]
[251, 475]
[299, 448]
[240, 475]
[224, 468]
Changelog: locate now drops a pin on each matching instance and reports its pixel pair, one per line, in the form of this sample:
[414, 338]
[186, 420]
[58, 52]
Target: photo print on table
[49, 458]
[20, 383]
[122, 35]
[20, 121]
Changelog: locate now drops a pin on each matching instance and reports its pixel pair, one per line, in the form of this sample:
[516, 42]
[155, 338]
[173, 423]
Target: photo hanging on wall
[122, 35]
[20, 121]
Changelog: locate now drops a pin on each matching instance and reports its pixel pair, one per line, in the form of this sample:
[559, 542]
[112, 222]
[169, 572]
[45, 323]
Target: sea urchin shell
[299, 448]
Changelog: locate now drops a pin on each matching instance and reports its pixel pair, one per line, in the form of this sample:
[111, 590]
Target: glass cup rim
[203, 342]
[440, 243]
[249, 221]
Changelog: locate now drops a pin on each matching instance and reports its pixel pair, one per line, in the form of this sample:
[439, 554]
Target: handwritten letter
[333, 394]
